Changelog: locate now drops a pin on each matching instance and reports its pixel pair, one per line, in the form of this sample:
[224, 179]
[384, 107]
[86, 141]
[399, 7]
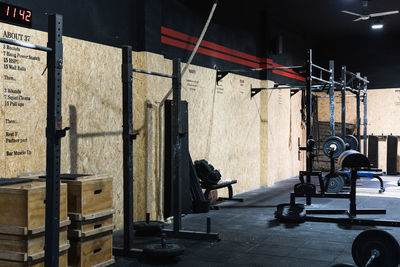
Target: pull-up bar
[153, 73]
[26, 45]
[222, 73]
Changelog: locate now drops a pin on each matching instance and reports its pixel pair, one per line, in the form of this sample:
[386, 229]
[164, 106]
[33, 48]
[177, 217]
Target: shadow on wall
[74, 137]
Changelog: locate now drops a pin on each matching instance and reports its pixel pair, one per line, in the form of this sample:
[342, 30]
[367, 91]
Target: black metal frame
[54, 132]
[129, 135]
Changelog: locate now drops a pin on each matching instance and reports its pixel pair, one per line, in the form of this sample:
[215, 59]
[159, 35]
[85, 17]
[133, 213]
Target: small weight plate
[152, 228]
[382, 241]
[290, 213]
[335, 184]
[304, 188]
[335, 141]
[352, 141]
[157, 251]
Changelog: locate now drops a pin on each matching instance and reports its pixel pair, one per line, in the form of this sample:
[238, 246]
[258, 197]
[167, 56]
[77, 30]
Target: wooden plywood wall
[351, 108]
[382, 113]
[286, 132]
[253, 140]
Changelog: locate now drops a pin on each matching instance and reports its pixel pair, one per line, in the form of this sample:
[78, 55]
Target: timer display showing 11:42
[15, 15]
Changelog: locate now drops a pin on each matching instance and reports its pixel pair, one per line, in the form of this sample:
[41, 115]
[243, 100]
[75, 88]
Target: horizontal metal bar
[357, 76]
[320, 80]
[353, 221]
[153, 73]
[321, 68]
[336, 96]
[26, 45]
[261, 69]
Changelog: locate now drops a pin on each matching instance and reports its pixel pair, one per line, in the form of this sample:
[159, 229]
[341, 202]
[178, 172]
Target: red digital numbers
[22, 13]
[15, 14]
[28, 16]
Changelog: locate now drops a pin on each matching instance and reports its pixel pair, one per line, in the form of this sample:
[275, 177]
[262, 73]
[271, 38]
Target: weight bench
[228, 184]
[371, 173]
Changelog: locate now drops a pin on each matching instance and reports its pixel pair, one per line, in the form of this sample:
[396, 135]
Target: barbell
[334, 145]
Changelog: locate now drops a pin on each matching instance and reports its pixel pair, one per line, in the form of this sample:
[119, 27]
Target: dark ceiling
[318, 18]
[320, 24]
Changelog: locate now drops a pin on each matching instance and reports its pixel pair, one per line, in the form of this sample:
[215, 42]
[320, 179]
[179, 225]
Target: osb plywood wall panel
[351, 108]
[285, 128]
[223, 120]
[23, 114]
[383, 117]
[245, 138]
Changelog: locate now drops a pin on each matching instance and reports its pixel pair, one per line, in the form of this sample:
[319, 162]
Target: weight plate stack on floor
[287, 213]
[384, 245]
[148, 227]
[163, 252]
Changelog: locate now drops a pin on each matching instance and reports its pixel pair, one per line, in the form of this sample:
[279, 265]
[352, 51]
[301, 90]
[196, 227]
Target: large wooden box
[89, 197]
[27, 248]
[82, 229]
[93, 251]
[23, 205]
[62, 261]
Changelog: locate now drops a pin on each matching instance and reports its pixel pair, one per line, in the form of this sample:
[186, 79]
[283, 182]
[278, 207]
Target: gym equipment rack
[129, 135]
[54, 132]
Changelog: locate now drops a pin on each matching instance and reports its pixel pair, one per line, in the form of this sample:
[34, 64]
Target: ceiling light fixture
[377, 25]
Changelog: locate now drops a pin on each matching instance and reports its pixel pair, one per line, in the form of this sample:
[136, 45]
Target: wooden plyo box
[83, 229]
[93, 251]
[62, 261]
[27, 248]
[22, 208]
[89, 197]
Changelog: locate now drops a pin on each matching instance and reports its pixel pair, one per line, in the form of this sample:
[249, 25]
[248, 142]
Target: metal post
[127, 134]
[365, 117]
[177, 148]
[344, 81]
[54, 133]
[358, 114]
[308, 107]
[331, 97]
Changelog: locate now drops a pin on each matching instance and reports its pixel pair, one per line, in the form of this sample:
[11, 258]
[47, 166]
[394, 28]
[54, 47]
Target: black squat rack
[177, 171]
[54, 132]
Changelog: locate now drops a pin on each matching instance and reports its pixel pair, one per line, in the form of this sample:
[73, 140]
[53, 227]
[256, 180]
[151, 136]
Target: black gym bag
[206, 172]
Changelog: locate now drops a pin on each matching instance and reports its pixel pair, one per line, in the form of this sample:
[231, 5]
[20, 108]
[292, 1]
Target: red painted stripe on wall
[237, 57]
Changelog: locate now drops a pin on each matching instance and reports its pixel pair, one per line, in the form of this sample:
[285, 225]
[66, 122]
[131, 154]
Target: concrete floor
[250, 235]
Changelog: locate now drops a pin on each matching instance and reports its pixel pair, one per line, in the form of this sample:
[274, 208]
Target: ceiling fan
[366, 16]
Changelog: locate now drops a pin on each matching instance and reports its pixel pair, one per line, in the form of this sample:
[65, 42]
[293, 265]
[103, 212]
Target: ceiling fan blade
[358, 19]
[351, 13]
[381, 14]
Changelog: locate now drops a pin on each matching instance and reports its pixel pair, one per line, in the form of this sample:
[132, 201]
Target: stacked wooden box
[22, 223]
[90, 208]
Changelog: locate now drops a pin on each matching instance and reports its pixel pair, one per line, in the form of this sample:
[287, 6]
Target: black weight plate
[142, 228]
[290, 213]
[335, 185]
[304, 188]
[157, 251]
[380, 240]
[352, 141]
[337, 142]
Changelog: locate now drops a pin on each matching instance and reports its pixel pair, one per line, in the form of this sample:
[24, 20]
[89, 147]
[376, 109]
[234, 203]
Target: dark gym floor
[250, 235]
